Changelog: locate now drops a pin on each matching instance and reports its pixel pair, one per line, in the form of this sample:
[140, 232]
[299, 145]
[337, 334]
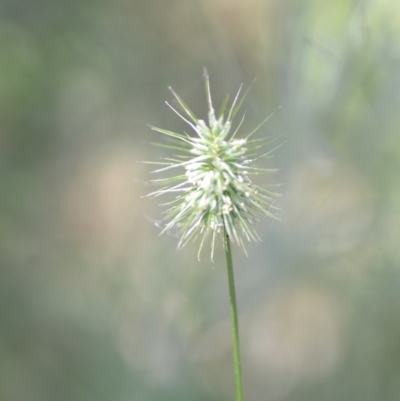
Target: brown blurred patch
[102, 207]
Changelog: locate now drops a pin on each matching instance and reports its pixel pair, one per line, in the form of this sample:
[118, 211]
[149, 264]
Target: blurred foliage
[94, 305]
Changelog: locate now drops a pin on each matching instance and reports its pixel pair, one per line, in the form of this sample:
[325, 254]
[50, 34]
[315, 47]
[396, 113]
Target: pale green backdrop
[94, 305]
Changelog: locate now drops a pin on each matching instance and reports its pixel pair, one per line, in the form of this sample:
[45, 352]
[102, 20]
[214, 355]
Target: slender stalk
[234, 319]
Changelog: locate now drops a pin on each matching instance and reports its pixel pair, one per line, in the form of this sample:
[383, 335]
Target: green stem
[234, 318]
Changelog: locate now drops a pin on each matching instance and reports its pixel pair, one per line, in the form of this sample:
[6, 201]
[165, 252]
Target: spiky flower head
[215, 193]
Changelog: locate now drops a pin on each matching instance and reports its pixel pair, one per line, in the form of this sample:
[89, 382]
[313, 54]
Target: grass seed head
[214, 192]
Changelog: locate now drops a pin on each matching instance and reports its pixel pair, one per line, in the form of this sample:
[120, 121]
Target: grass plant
[214, 194]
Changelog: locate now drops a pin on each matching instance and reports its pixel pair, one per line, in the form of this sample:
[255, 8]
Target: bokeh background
[94, 304]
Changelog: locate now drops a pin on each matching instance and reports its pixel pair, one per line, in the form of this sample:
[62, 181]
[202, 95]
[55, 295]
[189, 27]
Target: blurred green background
[94, 305]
